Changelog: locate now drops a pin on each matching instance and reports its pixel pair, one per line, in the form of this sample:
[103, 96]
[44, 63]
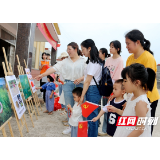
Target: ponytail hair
[137, 71]
[75, 46]
[105, 51]
[151, 79]
[94, 54]
[136, 35]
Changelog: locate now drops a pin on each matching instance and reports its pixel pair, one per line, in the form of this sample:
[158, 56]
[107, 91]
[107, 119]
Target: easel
[23, 122]
[30, 106]
[35, 96]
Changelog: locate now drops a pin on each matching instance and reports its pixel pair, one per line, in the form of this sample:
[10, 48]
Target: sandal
[46, 111]
[58, 110]
[66, 124]
[50, 113]
[63, 113]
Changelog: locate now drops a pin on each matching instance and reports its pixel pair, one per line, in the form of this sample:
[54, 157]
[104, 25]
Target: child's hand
[69, 106]
[37, 88]
[94, 119]
[50, 96]
[111, 108]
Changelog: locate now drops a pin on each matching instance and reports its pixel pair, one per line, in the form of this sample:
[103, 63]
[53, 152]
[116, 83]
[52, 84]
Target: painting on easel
[16, 96]
[5, 106]
[25, 85]
[30, 79]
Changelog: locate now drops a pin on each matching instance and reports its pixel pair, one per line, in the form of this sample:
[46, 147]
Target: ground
[51, 125]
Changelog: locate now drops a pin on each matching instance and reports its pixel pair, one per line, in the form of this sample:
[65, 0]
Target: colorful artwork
[25, 86]
[30, 79]
[16, 96]
[13, 87]
[5, 106]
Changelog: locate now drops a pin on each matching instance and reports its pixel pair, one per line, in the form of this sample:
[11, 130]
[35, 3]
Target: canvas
[25, 86]
[30, 80]
[5, 106]
[16, 96]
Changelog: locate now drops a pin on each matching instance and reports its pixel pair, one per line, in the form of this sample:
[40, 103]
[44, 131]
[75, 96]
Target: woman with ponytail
[141, 53]
[90, 89]
[72, 70]
[137, 80]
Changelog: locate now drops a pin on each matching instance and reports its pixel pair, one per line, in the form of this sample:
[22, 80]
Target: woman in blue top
[50, 87]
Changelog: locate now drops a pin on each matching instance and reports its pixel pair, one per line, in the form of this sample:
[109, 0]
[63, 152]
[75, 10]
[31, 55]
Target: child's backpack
[105, 86]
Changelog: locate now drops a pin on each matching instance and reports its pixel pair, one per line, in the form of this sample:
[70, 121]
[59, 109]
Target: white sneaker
[67, 130]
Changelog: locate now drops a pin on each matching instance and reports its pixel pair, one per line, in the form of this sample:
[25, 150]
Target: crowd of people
[137, 81]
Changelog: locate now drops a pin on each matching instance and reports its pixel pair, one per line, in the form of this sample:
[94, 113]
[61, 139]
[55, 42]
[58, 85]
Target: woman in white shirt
[72, 70]
[93, 69]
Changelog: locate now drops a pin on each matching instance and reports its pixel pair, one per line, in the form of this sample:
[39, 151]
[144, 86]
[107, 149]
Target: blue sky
[104, 33]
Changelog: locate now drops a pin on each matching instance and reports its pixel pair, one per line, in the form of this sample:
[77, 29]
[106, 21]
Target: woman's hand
[38, 77]
[111, 108]
[81, 100]
[50, 96]
[77, 81]
[111, 98]
[94, 119]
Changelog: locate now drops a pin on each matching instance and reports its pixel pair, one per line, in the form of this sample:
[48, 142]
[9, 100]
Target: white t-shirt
[93, 69]
[124, 131]
[76, 115]
[71, 70]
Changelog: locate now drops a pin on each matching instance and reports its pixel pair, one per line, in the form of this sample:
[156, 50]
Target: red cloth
[88, 108]
[46, 66]
[56, 85]
[82, 129]
[56, 104]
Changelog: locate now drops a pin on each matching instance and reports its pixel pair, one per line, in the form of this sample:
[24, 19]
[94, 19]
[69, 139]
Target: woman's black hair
[94, 54]
[137, 71]
[43, 54]
[78, 91]
[104, 51]
[75, 46]
[117, 45]
[136, 35]
[51, 79]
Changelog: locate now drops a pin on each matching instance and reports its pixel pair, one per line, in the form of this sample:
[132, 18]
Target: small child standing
[50, 87]
[76, 111]
[137, 81]
[117, 102]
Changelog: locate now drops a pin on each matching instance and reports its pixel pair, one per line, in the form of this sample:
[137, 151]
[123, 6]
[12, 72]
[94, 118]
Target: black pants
[43, 90]
[153, 111]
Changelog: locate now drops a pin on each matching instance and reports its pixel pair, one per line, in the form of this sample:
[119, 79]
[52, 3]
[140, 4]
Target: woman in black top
[103, 54]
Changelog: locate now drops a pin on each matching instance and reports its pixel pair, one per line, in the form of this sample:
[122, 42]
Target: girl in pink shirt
[115, 63]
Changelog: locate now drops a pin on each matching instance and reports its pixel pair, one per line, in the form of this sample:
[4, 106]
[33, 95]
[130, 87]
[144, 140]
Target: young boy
[118, 102]
[76, 111]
